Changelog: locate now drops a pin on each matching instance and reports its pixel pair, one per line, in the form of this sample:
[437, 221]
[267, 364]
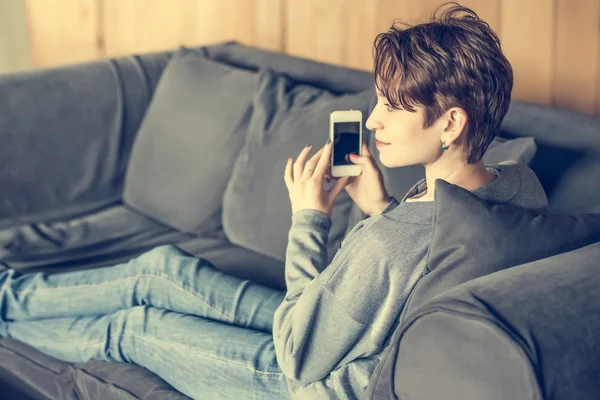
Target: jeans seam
[135, 277]
[191, 350]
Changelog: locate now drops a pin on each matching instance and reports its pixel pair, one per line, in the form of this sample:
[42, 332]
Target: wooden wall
[14, 43]
[553, 45]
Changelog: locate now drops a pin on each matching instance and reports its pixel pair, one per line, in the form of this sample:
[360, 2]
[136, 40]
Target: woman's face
[409, 143]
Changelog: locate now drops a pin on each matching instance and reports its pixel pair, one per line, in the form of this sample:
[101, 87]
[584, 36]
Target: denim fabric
[206, 333]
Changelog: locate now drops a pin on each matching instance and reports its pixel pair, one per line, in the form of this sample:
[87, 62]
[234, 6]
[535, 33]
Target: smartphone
[345, 131]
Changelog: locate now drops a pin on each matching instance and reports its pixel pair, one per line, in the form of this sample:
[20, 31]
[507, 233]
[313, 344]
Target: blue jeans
[205, 332]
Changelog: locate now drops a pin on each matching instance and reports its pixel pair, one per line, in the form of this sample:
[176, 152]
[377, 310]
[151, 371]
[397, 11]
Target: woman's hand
[304, 181]
[367, 190]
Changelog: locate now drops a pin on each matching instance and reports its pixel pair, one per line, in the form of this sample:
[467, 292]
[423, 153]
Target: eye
[388, 107]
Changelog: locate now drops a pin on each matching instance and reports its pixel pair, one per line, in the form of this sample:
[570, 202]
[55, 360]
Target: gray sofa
[69, 202]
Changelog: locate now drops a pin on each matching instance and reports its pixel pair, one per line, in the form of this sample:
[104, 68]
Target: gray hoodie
[330, 329]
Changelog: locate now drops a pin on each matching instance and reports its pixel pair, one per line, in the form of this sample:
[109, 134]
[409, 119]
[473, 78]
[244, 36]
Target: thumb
[359, 160]
[356, 159]
[364, 158]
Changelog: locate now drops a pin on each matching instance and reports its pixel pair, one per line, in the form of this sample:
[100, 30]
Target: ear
[456, 123]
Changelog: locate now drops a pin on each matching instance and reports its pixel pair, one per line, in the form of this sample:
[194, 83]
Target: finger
[323, 162]
[311, 163]
[299, 164]
[287, 175]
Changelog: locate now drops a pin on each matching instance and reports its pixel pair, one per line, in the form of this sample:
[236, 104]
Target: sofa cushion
[107, 231]
[184, 151]
[525, 333]
[568, 153]
[43, 377]
[286, 117]
[472, 238]
[65, 135]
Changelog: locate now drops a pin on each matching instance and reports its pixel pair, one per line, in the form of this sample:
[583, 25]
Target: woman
[443, 89]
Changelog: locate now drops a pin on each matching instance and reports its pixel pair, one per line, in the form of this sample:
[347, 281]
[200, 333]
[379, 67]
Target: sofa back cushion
[286, 117]
[334, 78]
[568, 153]
[184, 151]
[66, 133]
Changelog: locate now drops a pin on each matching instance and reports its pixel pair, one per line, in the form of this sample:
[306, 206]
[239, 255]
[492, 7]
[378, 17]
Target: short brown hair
[455, 60]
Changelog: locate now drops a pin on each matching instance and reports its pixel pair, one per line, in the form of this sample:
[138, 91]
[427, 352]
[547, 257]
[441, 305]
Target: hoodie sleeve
[306, 349]
[334, 314]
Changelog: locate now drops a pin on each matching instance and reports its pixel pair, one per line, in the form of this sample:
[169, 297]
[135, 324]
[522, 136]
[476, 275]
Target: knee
[134, 321]
[165, 250]
[129, 320]
[124, 326]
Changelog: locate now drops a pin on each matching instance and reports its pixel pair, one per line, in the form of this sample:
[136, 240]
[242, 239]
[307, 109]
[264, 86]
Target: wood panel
[488, 10]
[598, 71]
[14, 38]
[389, 10]
[315, 30]
[148, 25]
[527, 36]
[553, 45]
[577, 37]
[598, 78]
[225, 20]
[359, 19]
[155, 25]
[64, 31]
[268, 24]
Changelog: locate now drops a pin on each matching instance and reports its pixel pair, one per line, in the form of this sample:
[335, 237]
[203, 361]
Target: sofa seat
[35, 375]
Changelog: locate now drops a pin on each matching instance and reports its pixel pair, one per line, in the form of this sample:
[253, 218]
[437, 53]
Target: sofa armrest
[529, 332]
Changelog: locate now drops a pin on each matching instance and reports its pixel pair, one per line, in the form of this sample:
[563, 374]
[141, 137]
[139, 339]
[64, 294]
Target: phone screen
[346, 140]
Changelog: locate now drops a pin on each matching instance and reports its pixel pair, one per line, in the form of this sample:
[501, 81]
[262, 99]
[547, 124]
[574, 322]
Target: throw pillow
[185, 148]
[471, 239]
[521, 150]
[286, 117]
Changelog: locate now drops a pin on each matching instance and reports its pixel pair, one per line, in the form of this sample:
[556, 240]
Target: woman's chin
[386, 161]
[395, 163]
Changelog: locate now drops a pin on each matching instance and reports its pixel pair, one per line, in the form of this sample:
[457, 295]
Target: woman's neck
[467, 176]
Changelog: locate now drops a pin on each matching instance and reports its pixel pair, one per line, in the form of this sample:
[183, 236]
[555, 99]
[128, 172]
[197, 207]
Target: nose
[372, 122]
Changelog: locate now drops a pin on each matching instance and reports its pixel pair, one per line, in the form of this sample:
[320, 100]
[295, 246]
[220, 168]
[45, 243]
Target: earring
[444, 147]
